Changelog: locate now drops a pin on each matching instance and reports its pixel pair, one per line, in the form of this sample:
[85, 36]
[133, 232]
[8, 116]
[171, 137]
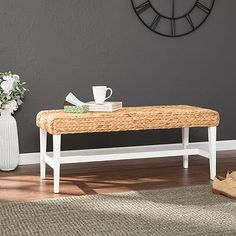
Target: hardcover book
[107, 106]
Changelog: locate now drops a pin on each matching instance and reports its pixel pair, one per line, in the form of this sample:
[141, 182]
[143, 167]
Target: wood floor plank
[110, 177]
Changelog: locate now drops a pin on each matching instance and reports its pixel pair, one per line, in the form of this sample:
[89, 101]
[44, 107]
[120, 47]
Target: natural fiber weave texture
[126, 119]
[179, 211]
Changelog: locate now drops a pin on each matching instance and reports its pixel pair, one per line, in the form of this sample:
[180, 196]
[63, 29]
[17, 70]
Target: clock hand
[173, 20]
[173, 8]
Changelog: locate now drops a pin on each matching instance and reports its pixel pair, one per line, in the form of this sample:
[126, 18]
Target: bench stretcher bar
[126, 156]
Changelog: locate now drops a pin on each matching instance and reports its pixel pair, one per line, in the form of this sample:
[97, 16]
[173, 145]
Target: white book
[106, 106]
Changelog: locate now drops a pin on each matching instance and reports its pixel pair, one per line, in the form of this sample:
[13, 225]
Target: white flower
[11, 90]
[11, 105]
[8, 85]
[16, 77]
[7, 77]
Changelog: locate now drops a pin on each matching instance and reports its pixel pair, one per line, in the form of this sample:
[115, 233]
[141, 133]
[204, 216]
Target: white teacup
[99, 94]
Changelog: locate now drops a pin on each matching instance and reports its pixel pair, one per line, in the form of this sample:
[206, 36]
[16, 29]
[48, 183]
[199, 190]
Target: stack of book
[106, 106]
[74, 105]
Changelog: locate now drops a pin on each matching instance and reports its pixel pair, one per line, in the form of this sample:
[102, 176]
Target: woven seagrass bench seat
[127, 119]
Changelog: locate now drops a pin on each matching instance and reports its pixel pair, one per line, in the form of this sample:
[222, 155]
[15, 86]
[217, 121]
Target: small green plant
[12, 91]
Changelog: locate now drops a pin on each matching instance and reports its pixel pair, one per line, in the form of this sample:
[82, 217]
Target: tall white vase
[9, 146]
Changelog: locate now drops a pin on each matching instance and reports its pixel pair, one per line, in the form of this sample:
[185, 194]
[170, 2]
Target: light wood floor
[110, 177]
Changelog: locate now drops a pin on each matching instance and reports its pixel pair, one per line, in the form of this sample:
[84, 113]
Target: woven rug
[178, 211]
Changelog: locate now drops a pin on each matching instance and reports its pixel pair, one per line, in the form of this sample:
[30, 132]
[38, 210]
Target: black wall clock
[173, 18]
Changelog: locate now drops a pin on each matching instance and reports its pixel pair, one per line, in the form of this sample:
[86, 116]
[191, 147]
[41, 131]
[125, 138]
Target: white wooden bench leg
[185, 142]
[56, 161]
[212, 151]
[43, 149]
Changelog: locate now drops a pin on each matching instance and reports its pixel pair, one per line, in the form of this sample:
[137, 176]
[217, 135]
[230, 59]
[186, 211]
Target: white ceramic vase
[9, 145]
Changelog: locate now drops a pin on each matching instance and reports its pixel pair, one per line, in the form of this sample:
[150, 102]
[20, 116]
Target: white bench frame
[56, 160]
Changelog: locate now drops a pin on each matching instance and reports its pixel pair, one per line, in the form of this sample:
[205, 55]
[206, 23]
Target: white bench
[57, 123]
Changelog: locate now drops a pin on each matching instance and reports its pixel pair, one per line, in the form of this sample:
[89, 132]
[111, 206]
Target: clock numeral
[173, 27]
[189, 19]
[155, 22]
[143, 7]
[203, 7]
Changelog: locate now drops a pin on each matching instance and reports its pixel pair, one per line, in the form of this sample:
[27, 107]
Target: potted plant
[12, 91]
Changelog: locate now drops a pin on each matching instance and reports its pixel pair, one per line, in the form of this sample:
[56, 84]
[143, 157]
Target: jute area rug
[179, 211]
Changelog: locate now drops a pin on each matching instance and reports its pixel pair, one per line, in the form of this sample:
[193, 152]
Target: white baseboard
[33, 158]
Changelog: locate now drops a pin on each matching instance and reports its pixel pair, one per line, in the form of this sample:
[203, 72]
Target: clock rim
[173, 18]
